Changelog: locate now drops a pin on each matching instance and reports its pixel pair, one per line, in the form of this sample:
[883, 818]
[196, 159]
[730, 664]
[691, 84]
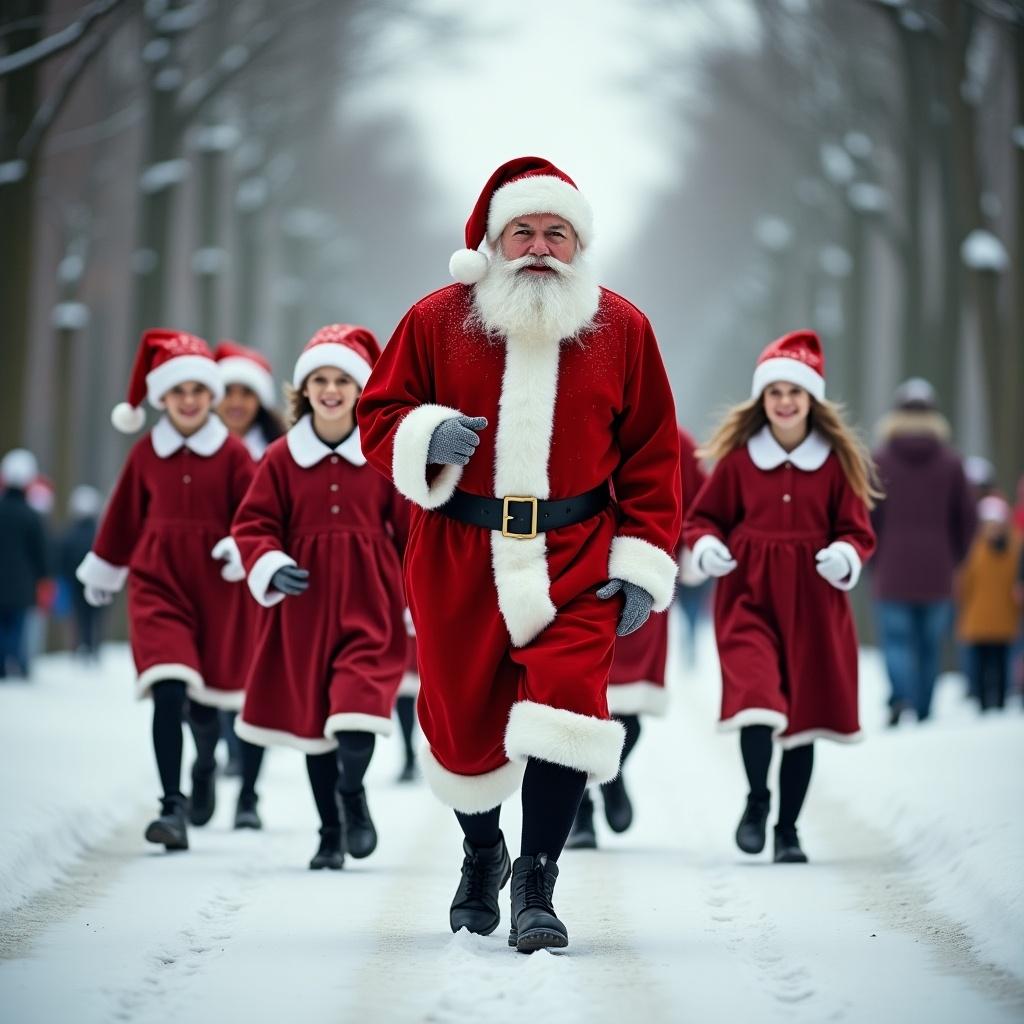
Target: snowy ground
[912, 907]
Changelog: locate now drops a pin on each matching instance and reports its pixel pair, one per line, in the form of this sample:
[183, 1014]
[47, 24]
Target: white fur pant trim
[195, 688]
[641, 698]
[471, 794]
[755, 716]
[410, 685]
[357, 722]
[277, 738]
[591, 745]
[800, 739]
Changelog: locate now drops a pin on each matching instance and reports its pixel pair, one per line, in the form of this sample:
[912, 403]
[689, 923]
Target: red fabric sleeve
[126, 512]
[718, 506]
[260, 522]
[851, 521]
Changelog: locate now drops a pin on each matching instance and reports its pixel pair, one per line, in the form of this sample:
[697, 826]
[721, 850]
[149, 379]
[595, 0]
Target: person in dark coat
[23, 556]
[76, 542]
[924, 529]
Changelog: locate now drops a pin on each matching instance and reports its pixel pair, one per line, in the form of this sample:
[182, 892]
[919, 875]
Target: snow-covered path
[667, 923]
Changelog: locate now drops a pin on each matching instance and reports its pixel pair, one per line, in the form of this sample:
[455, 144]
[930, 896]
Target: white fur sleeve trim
[409, 460]
[645, 565]
[353, 721]
[261, 574]
[471, 794]
[849, 552]
[98, 572]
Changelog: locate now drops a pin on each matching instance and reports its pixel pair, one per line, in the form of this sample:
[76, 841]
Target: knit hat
[993, 509]
[518, 188]
[18, 468]
[796, 358]
[246, 366]
[164, 360]
[346, 347]
[915, 394]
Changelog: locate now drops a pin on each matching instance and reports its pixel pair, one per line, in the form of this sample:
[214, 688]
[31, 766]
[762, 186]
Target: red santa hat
[345, 347]
[525, 185]
[246, 366]
[164, 360]
[796, 358]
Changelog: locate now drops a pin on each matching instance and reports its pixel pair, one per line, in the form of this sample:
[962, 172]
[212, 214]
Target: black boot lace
[538, 886]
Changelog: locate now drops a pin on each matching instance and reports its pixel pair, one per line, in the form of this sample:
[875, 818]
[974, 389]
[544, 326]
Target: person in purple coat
[924, 529]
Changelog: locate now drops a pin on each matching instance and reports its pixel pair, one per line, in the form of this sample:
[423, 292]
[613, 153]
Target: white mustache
[511, 267]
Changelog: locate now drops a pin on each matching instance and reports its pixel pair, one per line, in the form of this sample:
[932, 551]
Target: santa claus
[525, 411]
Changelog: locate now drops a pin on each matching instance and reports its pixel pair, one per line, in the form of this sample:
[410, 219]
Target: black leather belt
[524, 518]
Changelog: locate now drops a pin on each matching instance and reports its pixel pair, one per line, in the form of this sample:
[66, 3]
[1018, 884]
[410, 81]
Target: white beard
[534, 308]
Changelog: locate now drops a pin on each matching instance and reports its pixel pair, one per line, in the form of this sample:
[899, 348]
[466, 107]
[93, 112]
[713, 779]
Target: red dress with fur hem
[786, 638]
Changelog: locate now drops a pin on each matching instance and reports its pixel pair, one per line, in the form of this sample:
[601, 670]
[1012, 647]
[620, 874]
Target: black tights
[339, 771]
[551, 795]
[405, 708]
[169, 706]
[794, 772]
[631, 723]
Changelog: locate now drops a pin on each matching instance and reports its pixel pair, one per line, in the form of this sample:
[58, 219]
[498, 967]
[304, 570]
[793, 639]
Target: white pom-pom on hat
[468, 266]
[128, 418]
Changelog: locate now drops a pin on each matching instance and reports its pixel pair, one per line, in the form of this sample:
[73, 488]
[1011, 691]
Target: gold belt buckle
[506, 516]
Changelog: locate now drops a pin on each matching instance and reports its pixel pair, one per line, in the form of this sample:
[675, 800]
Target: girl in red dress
[320, 534]
[783, 521]
[165, 530]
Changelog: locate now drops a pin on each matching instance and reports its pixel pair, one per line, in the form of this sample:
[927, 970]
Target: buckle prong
[507, 517]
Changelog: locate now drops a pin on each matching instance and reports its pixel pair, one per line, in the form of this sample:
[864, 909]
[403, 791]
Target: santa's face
[332, 393]
[538, 235]
[188, 406]
[787, 408]
[239, 408]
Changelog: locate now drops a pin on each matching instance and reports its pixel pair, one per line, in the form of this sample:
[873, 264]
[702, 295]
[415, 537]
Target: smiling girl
[783, 520]
[165, 529]
[320, 534]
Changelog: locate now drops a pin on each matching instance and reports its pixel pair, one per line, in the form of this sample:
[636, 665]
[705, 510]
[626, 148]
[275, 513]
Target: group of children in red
[311, 654]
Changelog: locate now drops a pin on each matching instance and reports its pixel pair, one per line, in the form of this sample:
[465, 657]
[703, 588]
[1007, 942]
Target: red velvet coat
[173, 502]
[330, 659]
[785, 635]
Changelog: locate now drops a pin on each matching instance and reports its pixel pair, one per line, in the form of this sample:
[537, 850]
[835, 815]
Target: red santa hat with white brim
[518, 188]
[796, 358]
[345, 347]
[164, 360]
[246, 366]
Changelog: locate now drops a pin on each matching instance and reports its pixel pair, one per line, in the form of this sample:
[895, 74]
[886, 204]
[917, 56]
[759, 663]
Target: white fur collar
[767, 453]
[206, 441]
[255, 441]
[307, 449]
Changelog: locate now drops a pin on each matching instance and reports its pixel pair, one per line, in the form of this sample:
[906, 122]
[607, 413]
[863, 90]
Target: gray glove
[454, 441]
[637, 607]
[290, 579]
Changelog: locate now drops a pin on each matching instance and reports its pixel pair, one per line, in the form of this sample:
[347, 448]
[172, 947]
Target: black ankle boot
[787, 846]
[583, 836]
[360, 833]
[485, 870]
[534, 922]
[203, 801]
[331, 854]
[750, 833]
[618, 808]
[170, 828]
[246, 815]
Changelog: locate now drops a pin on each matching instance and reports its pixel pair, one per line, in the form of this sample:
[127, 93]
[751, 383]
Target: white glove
[226, 550]
[833, 566]
[689, 573]
[97, 596]
[715, 559]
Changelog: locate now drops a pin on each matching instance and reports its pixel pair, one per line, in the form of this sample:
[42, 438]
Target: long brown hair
[743, 421]
[298, 405]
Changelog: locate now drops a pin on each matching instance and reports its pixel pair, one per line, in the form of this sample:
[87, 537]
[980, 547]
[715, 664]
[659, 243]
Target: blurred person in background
[981, 476]
[924, 529]
[405, 704]
[988, 602]
[23, 555]
[75, 543]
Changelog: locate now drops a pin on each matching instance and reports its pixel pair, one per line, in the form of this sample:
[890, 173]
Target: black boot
[246, 815]
[203, 801]
[583, 836]
[618, 808]
[170, 828]
[534, 922]
[361, 836]
[331, 854]
[485, 871]
[787, 846]
[750, 833]
[409, 772]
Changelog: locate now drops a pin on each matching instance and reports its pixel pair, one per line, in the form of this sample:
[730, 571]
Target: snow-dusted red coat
[514, 645]
[786, 638]
[173, 502]
[330, 659]
[636, 684]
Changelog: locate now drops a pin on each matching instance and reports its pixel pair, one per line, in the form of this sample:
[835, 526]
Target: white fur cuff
[645, 565]
[849, 552]
[591, 745]
[98, 572]
[262, 573]
[357, 722]
[755, 716]
[471, 794]
[409, 458]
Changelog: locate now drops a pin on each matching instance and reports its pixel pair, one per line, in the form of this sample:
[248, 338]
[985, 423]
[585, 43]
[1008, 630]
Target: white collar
[307, 449]
[256, 442]
[206, 441]
[767, 453]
